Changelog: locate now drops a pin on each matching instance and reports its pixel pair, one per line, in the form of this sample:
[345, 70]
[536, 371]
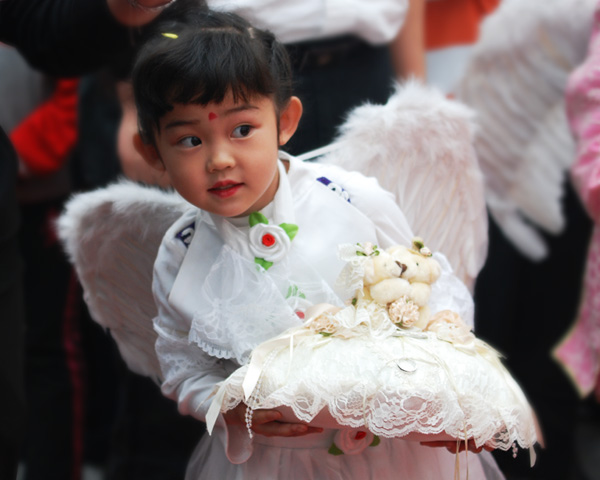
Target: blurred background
[511, 61]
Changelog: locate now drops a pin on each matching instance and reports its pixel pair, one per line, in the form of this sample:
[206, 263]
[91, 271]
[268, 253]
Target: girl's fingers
[451, 446]
[280, 429]
[260, 417]
[266, 422]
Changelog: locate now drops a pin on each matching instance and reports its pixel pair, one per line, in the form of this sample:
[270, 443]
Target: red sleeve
[44, 139]
[455, 22]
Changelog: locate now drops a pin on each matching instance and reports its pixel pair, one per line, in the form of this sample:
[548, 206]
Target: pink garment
[579, 351]
[583, 111]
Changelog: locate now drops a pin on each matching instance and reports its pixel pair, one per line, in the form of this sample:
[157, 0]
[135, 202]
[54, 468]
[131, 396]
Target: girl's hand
[451, 446]
[136, 13]
[266, 422]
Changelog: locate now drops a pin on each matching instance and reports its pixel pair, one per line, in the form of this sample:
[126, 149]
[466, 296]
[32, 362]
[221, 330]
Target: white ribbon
[287, 338]
[215, 407]
[259, 357]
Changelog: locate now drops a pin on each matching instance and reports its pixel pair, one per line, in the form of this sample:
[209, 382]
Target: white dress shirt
[376, 21]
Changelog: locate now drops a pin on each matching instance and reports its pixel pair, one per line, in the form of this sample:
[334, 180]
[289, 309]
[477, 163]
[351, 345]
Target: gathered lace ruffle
[242, 305]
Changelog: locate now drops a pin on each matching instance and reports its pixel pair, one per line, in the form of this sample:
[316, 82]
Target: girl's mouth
[225, 189]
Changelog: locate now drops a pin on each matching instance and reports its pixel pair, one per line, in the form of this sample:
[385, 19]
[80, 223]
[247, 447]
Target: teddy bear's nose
[403, 267]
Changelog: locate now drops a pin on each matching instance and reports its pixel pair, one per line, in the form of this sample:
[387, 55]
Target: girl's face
[222, 157]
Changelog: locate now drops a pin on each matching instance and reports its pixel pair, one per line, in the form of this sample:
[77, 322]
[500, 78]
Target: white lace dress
[215, 306]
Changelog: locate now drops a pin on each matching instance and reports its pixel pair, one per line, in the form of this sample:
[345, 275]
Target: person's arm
[408, 48]
[583, 110]
[190, 375]
[71, 37]
[45, 137]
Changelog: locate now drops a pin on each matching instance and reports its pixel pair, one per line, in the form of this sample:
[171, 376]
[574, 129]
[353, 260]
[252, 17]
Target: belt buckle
[323, 59]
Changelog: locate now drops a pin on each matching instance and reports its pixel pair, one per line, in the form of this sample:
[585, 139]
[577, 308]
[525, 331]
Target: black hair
[199, 57]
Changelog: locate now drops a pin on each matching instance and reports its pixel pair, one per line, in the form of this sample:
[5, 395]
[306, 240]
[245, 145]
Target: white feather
[112, 237]
[515, 81]
[419, 146]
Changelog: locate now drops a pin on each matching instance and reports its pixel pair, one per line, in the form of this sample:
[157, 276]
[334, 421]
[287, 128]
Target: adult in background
[62, 37]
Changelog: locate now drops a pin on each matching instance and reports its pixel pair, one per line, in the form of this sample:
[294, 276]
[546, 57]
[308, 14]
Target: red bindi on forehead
[212, 115]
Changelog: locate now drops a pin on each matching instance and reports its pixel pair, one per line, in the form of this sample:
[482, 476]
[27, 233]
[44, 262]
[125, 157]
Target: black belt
[321, 53]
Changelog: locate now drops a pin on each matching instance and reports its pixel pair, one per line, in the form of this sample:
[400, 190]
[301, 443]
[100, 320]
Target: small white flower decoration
[269, 243]
[450, 327]
[325, 324]
[419, 247]
[403, 312]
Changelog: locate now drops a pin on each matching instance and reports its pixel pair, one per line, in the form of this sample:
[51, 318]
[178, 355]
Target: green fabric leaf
[290, 229]
[334, 450]
[376, 441]
[257, 217]
[326, 334]
[263, 263]
[294, 291]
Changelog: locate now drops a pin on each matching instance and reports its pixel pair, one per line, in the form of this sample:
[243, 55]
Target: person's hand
[266, 422]
[451, 446]
[151, 4]
[138, 12]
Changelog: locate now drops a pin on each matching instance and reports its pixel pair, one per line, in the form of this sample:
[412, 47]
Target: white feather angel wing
[515, 82]
[112, 237]
[420, 147]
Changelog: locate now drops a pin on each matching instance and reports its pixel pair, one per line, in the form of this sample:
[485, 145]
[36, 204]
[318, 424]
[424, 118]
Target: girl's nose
[220, 159]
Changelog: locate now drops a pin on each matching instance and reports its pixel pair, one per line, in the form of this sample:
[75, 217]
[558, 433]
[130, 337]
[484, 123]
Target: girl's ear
[148, 153]
[289, 119]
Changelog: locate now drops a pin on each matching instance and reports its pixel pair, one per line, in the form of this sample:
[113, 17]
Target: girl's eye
[242, 131]
[190, 142]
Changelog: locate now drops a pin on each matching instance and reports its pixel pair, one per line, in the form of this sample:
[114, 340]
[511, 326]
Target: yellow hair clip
[170, 35]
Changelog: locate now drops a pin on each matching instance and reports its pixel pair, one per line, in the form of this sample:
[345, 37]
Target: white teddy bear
[400, 278]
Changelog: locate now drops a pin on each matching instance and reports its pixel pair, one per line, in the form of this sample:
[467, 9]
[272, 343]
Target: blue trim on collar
[334, 187]
[186, 234]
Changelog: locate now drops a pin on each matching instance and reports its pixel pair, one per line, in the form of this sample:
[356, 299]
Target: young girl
[215, 103]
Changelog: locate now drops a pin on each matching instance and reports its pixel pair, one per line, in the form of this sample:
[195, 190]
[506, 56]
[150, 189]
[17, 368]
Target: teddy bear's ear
[430, 270]
[437, 269]
[395, 249]
[369, 272]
